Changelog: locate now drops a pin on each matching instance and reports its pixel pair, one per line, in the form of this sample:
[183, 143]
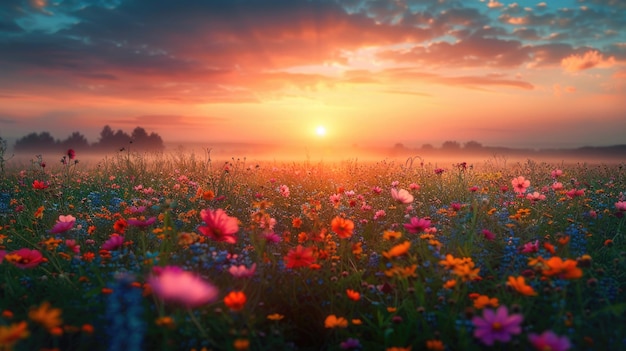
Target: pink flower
[549, 341]
[71, 244]
[556, 173]
[488, 235]
[575, 193]
[520, 184]
[379, 214]
[402, 196]
[115, 242]
[531, 247]
[414, 186]
[536, 196]
[417, 225]
[377, 190]
[141, 223]
[620, 206]
[64, 224]
[24, 258]
[497, 325]
[242, 271]
[271, 237]
[173, 284]
[220, 227]
[284, 190]
[557, 186]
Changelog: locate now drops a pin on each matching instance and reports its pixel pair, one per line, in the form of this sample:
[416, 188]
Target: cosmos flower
[402, 196]
[235, 300]
[342, 227]
[114, 242]
[173, 284]
[497, 325]
[242, 271]
[219, 226]
[417, 225]
[549, 341]
[64, 224]
[24, 258]
[520, 184]
[299, 257]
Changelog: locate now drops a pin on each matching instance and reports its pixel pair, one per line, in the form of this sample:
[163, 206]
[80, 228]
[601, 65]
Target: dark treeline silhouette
[477, 149]
[138, 140]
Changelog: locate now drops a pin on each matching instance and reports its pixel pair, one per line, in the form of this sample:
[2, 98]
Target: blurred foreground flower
[173, 284]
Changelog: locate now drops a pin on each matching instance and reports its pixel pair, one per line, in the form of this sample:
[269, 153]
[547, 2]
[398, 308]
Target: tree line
[110, 140]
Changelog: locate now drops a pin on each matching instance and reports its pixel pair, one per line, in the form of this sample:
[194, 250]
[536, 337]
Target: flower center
[496, 326]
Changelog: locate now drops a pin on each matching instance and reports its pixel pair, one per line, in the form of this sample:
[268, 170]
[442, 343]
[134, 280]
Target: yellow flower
[333, 321]
[45, 315]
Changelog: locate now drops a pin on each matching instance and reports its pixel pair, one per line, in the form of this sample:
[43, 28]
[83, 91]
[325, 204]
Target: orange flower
[398, 250]
[519, 284]
[353, 295]
[120, 226]
[563, 269]
[435, 345]
[9, 335]
[483, 301]
[391, 235]
[333, 321]
[235, 300]
[450, 284]
[550, 248]
[241, 344]
[39, 212]
[296, 222]
[395, 348]
[275, 316]
[342, 227]
[45, 315]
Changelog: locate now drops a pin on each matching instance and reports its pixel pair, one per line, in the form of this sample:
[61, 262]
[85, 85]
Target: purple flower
[350, 343]
[417, 225]
[497, 325]
[549, 341]
[488, 234]
[114, 242]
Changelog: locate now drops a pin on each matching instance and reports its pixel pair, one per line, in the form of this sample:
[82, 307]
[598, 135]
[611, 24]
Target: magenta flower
[488, 234]
[24, 258]
[621, 206]
[219, 226]
[173, 284]
[520, 184]
[417, 225]
[64, 224]
[531, 247]
[242, 271]
[497, 325]
[141, 223]
[402, 196]
[271, 237]
[549, 341]
[115, 242]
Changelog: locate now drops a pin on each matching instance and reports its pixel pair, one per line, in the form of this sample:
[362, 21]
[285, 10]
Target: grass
[100, 299]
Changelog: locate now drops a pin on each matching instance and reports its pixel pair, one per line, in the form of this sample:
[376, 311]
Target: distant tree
[34, 142]
[427, 147]
[156, 142]
[473, 145]
[399, 146]
[451, 145]
[75, 141]
[139, 134]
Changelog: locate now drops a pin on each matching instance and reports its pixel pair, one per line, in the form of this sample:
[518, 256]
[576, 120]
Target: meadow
[183, 252]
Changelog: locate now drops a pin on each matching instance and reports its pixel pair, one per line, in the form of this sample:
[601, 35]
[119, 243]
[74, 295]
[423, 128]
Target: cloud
[588, 60]
[494, 4]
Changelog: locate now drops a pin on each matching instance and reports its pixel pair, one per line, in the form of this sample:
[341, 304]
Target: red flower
[71, 154]
[39, 185]
[343, 227]
[299, 257]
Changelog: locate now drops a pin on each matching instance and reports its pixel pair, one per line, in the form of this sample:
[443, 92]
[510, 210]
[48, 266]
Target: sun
[320, 131]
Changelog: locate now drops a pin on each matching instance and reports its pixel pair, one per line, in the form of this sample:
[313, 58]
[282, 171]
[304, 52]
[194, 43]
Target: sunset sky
[503, 73]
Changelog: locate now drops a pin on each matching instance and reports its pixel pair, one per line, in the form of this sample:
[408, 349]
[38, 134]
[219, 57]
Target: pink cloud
[588, 60]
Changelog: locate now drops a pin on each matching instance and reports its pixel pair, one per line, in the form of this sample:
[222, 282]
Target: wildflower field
[182, 252]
